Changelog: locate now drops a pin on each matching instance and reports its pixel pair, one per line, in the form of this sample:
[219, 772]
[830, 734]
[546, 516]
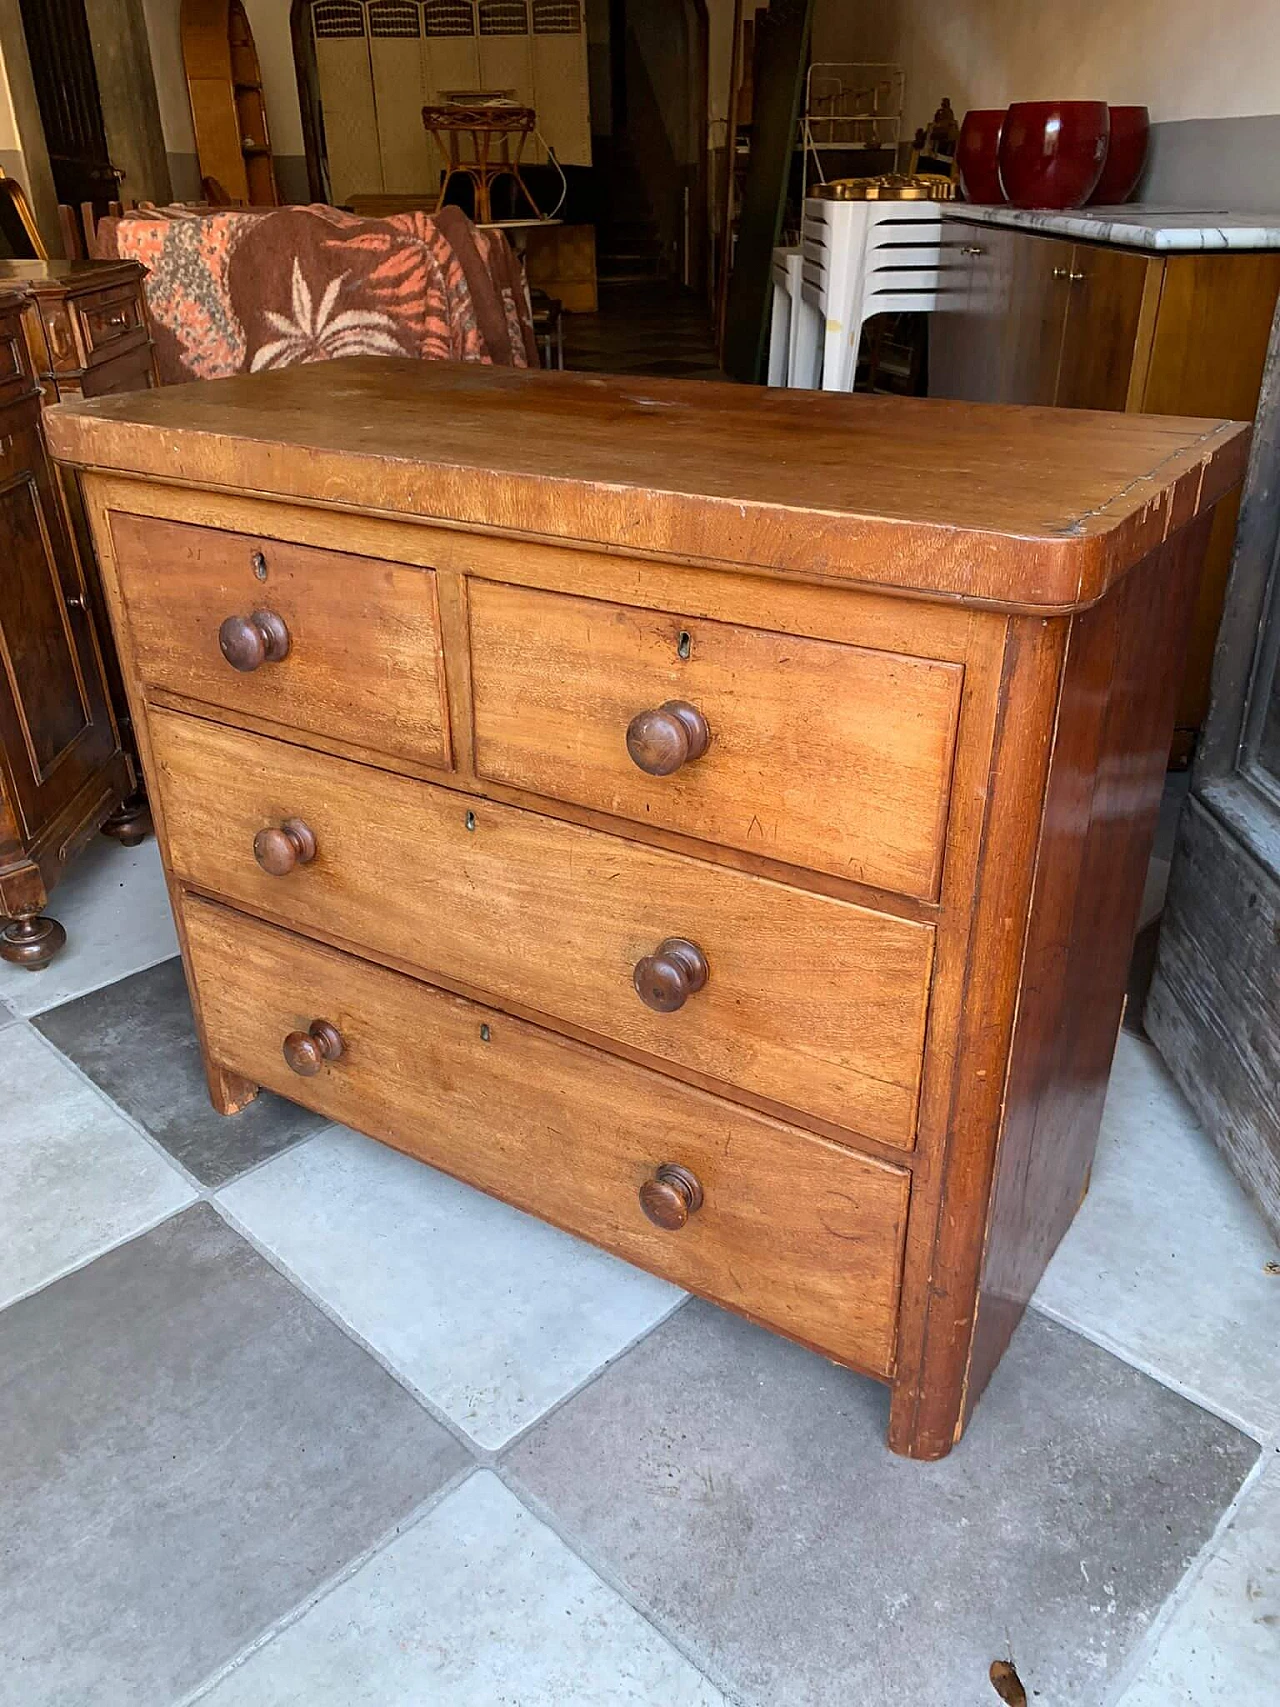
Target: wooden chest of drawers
[712, 820]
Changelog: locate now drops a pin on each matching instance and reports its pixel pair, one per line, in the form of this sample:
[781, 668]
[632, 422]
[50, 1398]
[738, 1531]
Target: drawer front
[823, 755]
[363, 662]
[107, 319]
[808, 1001]
[801, 1233]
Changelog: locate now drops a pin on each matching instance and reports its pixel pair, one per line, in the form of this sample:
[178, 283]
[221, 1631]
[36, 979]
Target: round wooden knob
[279, 851]
[661, 741]
[307, 1051]
[671, 1196]
[665, 979]
[248, 642]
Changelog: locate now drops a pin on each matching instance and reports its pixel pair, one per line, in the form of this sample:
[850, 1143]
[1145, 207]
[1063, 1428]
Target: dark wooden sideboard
[665, 808]
[1028, 318]
[67, 329]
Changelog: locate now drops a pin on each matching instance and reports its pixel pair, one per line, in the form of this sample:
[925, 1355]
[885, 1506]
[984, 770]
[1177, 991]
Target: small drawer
[800, 1233]
[316, 641]
[823, 755]
[810, 1002]
[106, 319]
[16, 378]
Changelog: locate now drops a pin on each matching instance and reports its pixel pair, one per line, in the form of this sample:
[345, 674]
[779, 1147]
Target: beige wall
[1182, 58]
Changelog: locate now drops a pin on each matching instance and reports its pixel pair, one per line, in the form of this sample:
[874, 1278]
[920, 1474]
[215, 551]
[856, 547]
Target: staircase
[628, 246]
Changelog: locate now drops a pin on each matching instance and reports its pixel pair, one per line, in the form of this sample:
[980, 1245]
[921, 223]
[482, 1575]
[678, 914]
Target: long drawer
[318, 641]
[832, 757]
[791, 1229]
[808, 1001]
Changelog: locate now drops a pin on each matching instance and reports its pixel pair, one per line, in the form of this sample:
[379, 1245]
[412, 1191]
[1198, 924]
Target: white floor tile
[1165, 1263]
[114, 908]
[77, 1178]
[476, 1605]
[1221, 1648]
[487, 1312]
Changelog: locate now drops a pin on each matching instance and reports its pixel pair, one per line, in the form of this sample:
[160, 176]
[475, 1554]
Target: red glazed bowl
[1052, 152]
[977, 154]
[1126, 156]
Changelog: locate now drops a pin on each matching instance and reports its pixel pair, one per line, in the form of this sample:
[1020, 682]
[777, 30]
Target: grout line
[608, 1575]
[477, 1453]
[93, 989]
[92, 1256]
[1145, 1647]
[484, 1457]
[1193, 1396]
[343, 1574]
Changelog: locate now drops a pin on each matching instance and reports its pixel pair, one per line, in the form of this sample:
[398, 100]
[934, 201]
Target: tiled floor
[289, 1419]
[634, 321]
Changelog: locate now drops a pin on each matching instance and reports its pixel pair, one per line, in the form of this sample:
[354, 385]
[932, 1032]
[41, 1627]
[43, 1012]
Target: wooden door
[66, 84]
[1215, 997]
[1105, 293]
[55, 726]
[961, 343]
[1039, 273]
[999, 336]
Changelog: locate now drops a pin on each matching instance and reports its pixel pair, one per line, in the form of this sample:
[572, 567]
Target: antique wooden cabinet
[1024, 317]
[89, 334]
[62, 768]
[711, 819]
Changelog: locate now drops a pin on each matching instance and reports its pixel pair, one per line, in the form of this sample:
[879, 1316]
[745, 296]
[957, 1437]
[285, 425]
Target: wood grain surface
[833, 757]
[793, 1231]
[364, 658]
[1019, 508]
[809, 1001]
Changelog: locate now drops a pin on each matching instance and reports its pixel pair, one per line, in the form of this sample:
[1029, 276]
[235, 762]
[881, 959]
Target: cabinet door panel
[1105, 290]
[1038, 289]
[54, 723]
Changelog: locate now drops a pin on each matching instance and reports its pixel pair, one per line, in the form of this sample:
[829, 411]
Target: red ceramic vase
[1052, 152]
[977, 154]
[1126, 156]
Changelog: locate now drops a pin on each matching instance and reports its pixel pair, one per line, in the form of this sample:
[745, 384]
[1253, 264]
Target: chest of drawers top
[1026, 509]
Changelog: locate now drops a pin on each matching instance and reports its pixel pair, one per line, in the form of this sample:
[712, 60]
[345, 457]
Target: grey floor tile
[492, 1315]
[477, 1605]
[1166, 1261]
[77, 1178]
[136, 1038]
[7, 1015]
[1221, 1646]
[190, 1449]
[114, 906]
[741, 1488]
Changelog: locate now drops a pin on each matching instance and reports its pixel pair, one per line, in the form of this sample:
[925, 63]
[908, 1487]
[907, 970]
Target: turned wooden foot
[31, 942]
[130, 823]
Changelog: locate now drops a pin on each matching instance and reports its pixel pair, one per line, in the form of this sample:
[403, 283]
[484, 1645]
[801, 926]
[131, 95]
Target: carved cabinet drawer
[109, 321]
[794, 997]
[313, 640]
[823, 755]
[787, 1227]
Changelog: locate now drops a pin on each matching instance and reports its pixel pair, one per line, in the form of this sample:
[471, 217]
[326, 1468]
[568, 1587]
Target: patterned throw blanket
[234, 290]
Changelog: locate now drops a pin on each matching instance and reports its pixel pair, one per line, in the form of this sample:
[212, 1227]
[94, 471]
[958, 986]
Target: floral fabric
[232, 290]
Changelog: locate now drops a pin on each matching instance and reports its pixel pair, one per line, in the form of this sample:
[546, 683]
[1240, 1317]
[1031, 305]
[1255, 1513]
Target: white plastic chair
[864, 258]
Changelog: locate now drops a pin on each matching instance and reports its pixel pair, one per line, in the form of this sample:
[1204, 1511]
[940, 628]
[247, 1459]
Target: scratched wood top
[1017, 507]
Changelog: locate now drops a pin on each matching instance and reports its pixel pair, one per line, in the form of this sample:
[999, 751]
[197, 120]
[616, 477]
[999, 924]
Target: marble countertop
[1161, 229]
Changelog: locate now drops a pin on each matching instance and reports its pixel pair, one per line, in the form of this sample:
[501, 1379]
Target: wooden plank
[791, 1230]
[1215, 997]
[809, 1001]
[1024, 509]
